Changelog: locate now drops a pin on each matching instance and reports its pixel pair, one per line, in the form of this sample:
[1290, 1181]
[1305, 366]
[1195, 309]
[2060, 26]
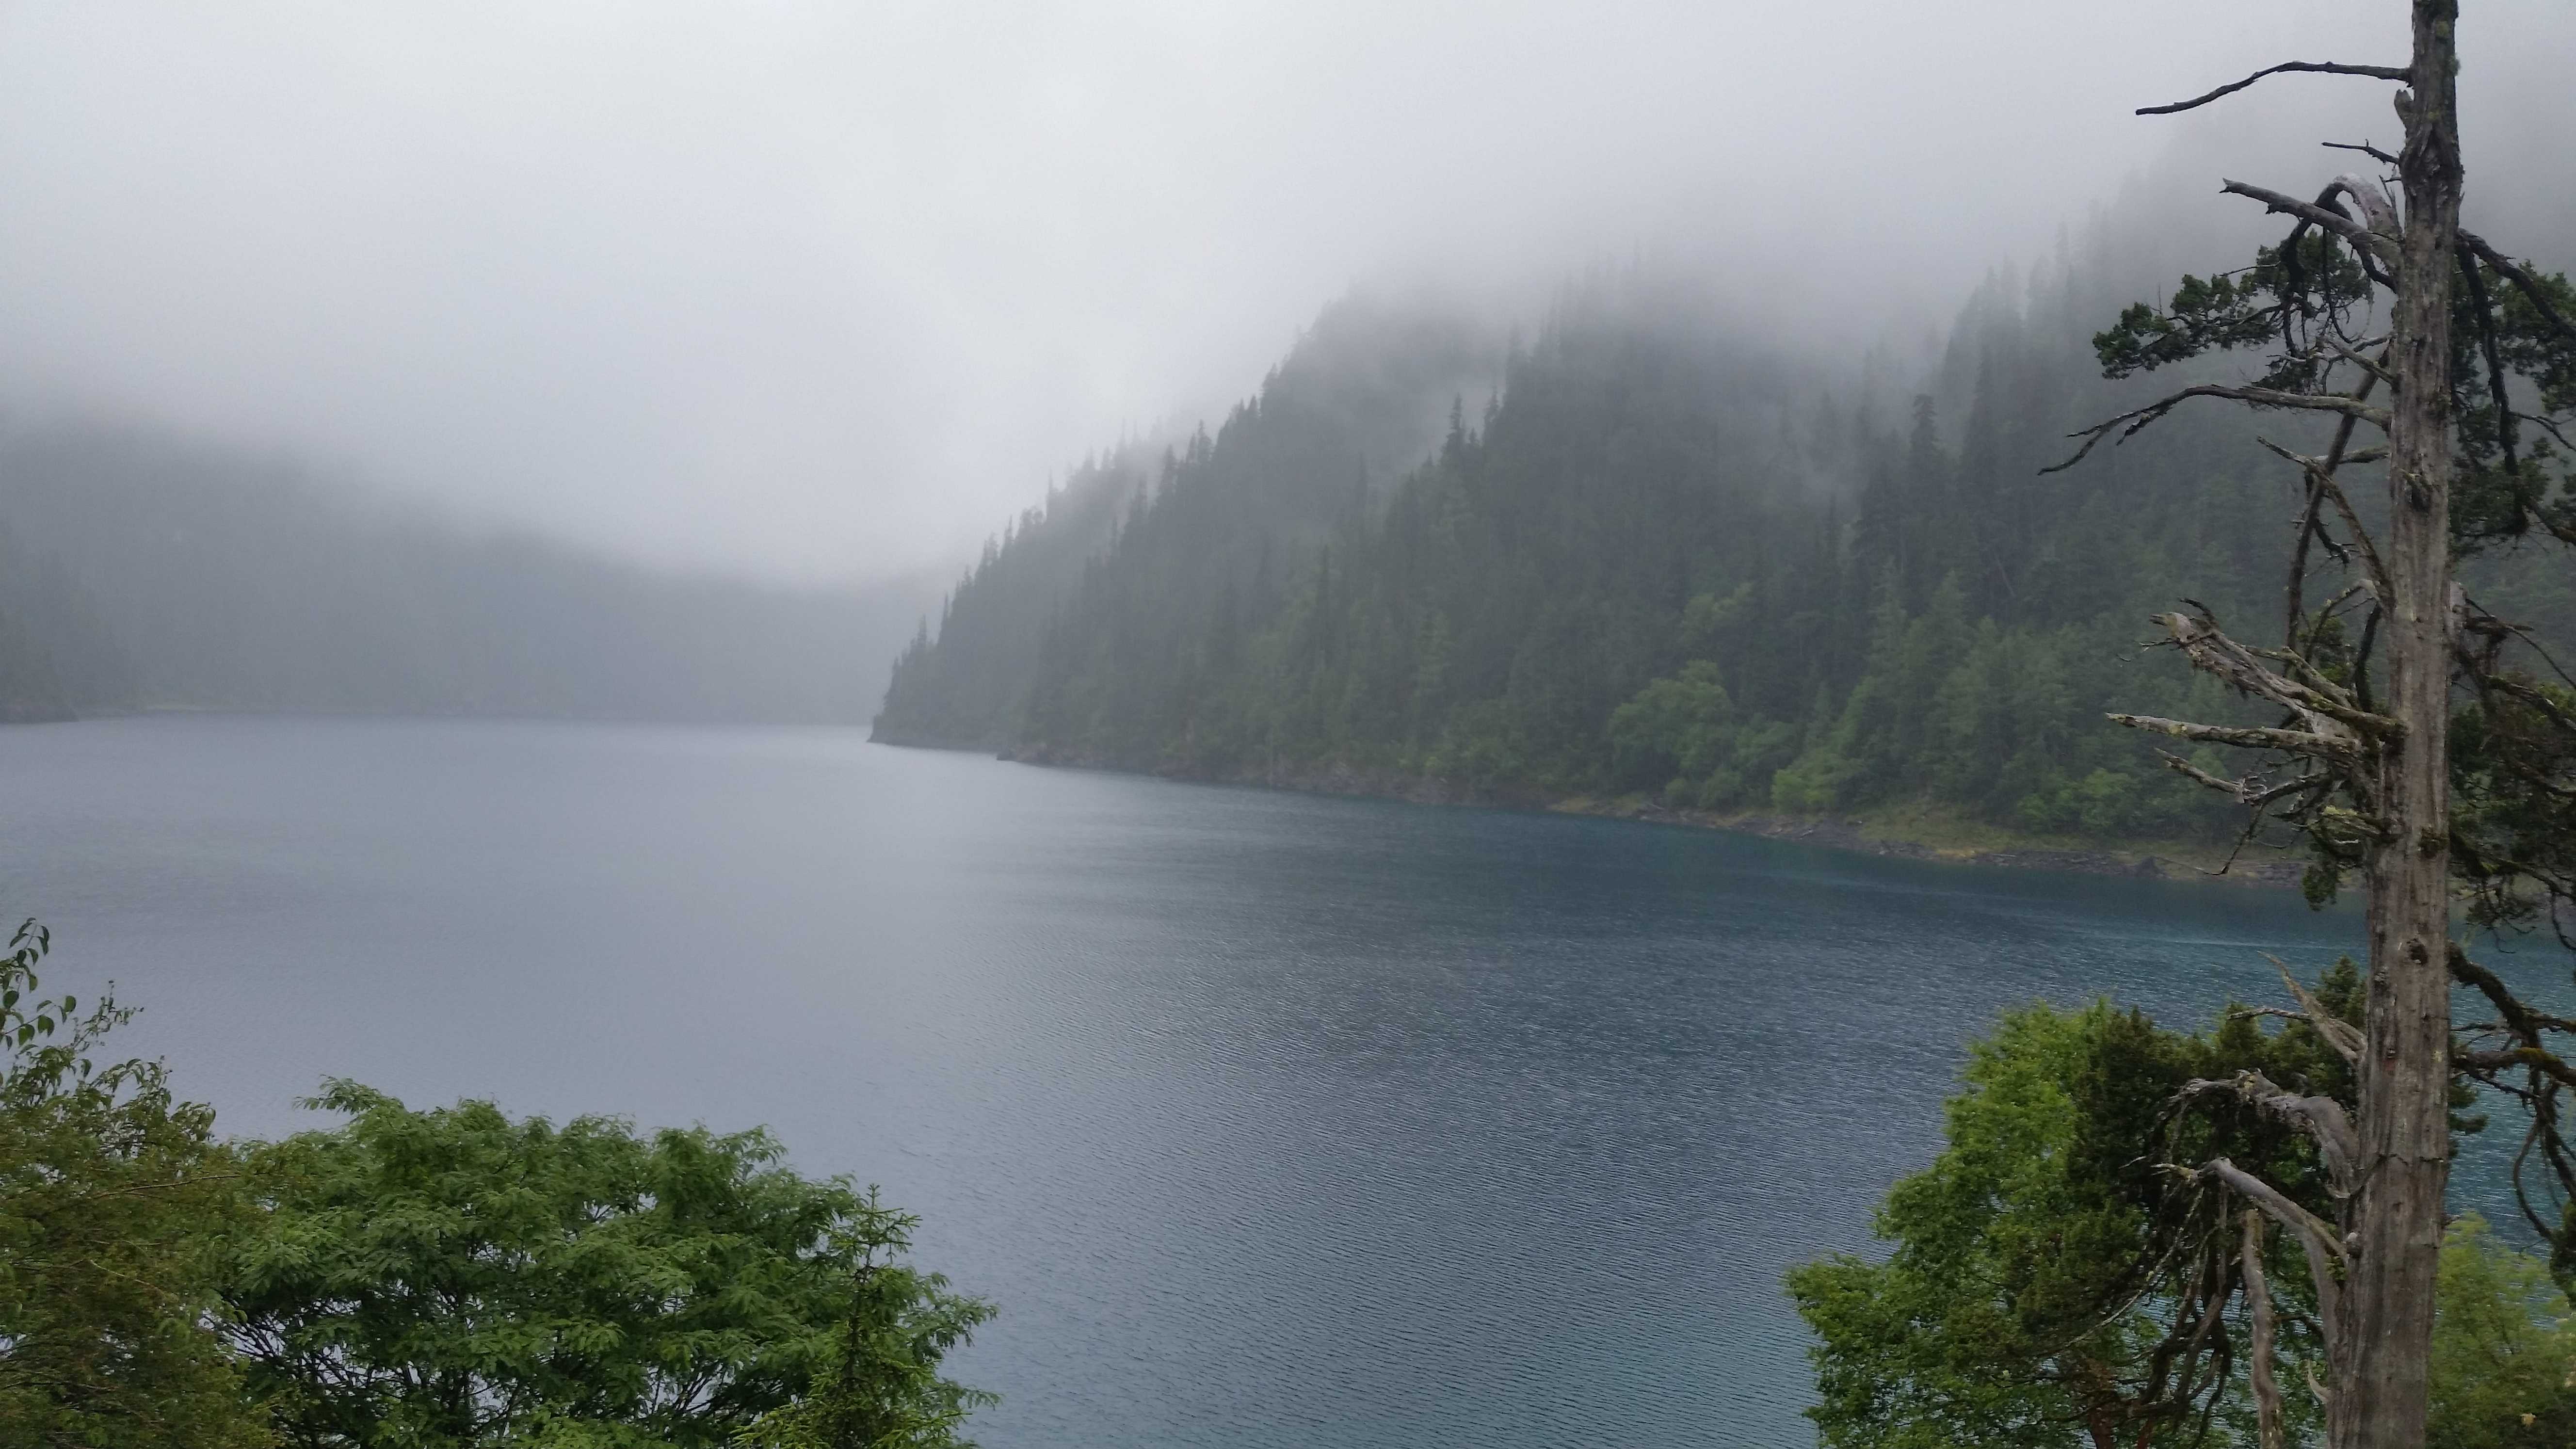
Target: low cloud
[821, 290]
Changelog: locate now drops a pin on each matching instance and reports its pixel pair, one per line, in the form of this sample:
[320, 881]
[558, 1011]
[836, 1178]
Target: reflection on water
[1270, 1120]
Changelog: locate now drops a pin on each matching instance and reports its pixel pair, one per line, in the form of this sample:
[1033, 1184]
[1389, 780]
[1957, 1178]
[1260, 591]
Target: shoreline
[1946, 842]
[1867, 837]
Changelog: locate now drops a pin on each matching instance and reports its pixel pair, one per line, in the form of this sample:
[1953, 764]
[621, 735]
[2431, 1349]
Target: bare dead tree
[2388, 318]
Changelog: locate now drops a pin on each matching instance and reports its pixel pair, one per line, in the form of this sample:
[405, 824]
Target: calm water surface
[1270, 1120]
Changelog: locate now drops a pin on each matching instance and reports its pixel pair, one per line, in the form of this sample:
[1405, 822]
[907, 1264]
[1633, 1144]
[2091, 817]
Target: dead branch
[2321, 476]
[2531, 641]
[2317, 1239]
[2294, 741]
[2352, 353]
[2322, 1118]
[2252, 791]
[2533, 699]
[2261, 397]
[2376, 211]
[2365, 148]
[2295, 592]
[2185, 768]
[2313, 67]
[2326, 712]
[2340, 1034]
[2372, 245]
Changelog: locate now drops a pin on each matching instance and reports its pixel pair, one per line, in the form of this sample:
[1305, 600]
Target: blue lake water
[1269, 1120]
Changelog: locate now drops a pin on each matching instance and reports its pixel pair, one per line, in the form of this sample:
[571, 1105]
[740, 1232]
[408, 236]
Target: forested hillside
[963, 692]
[1360, 400]
[1673, 563]
[142, 573]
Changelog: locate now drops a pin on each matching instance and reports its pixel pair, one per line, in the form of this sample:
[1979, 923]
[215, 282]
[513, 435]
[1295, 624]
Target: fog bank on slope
[819, 289]
[214, 580]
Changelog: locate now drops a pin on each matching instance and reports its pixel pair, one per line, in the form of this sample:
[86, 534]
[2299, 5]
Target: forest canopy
[1663, 561]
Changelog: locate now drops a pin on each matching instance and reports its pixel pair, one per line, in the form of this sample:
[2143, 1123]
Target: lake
[1268, 1119]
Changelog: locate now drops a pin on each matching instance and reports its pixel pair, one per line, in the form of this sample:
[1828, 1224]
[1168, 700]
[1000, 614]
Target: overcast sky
[827, 289]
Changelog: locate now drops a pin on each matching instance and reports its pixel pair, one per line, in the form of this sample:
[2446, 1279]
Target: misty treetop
[1361, 397]
[1666, 560]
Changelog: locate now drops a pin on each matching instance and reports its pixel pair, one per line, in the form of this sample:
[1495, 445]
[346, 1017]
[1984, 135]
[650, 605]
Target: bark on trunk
[2258, 1303]
[2379, 1383]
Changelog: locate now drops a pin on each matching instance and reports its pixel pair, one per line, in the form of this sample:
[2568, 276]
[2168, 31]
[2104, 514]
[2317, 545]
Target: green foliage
[1683, 730]
[2510, 464]
[2504, 1348]
[2047, 1281]
[2203, 314]
[2045, 1271]
[107, 1187]
[883, 1389]
[455, 1278]
[2312, 276]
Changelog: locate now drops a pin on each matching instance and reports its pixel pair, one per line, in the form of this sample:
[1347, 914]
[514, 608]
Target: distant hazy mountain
[137, 572]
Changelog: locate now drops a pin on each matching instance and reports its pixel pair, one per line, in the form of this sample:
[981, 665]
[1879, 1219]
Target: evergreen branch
[2523, 282]
[2525, 1022]
[2539, 1059]
[2484, 309]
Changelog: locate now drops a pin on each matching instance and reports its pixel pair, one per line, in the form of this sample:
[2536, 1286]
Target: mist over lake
[1268, 1119]
[1273, 725]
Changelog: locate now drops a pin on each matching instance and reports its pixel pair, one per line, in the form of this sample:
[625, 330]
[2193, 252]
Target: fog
[824, 291]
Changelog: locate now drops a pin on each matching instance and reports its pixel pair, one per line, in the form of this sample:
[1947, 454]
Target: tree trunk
[2380, 1382]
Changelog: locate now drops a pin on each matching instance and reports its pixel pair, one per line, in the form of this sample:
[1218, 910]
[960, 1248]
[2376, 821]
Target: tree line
[1663, 561]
